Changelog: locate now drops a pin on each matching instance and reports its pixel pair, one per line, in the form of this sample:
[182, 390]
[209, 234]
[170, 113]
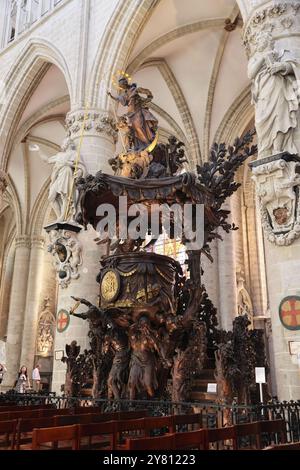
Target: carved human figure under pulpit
[116, 340]
[143, 363]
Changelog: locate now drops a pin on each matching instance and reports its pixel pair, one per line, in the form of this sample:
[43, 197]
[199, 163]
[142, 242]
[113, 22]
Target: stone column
[272, 41]
[97, 146]
[17, 308]
[227, 277]
[100, 136]
[35, 279]
[5, 291]
[4, 22]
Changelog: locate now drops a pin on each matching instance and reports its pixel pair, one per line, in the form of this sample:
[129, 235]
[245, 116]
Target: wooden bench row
[109, 432]
[137, 424]
[24, 407]
[45, 411]
[129, 421]
[253, 433]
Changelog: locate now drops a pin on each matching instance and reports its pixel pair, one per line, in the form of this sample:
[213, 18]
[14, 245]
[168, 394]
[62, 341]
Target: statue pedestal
[287, 157]
[71, 227]
[277, 181]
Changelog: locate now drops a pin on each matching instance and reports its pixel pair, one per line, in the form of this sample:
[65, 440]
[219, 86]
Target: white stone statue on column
[274, 73]
[62, 191]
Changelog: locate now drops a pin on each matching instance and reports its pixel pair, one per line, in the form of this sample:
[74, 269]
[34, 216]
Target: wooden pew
[25, 407]
[290, 446]
[122, 415]
[55, 435]
[166, 442]
[104, 432]
[248, 430]
[27, 426]
[67, 420]
[142, 427]
[87, 409]
[165, 423]
[276, 431]
[190, 422]
[119, 415]
[8, 415]
[136, 427]
[190, 440]
[8, 429]
[219, 435]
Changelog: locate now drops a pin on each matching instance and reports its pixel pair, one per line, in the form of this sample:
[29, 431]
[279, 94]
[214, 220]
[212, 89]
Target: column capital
[23, 241]
[95, 122]
[37, 241]
[279, 19]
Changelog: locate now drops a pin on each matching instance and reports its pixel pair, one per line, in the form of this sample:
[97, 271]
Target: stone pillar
[97, 146]
[227, 277]
[100, 136]
[17, 309]
[4, 22]
[35, 280]
[5, 291]
[85, 286]
[272, 41]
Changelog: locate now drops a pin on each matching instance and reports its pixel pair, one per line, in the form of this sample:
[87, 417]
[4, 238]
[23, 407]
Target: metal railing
[213, 415]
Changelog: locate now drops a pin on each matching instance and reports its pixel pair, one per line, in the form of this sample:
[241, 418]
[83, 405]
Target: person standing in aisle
[36, 378]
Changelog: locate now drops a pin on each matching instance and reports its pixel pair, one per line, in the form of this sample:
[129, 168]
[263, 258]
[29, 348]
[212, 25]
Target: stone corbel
[277, 185]
[67, 255]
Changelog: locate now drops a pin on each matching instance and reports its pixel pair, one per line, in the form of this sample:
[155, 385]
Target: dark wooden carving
[239, 352]
[153, 326]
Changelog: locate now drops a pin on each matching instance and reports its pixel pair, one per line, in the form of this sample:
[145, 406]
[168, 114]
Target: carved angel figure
[62, 191]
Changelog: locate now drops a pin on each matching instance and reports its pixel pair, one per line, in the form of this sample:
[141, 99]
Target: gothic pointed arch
[115, 47]
[24, 76]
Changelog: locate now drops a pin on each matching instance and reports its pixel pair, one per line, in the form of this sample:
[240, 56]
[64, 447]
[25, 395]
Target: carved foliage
[277, 185]
[277, 18]
[217, 175]
[239, 352]
[67, 255]
[94, 123]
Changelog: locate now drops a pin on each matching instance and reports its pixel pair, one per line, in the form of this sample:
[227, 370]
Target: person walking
[36, 378]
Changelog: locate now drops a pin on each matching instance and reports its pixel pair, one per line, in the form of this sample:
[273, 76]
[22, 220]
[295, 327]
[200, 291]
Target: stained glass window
[172, 248]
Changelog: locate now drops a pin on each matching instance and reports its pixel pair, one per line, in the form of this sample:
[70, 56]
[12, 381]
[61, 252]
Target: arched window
[172, 248]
